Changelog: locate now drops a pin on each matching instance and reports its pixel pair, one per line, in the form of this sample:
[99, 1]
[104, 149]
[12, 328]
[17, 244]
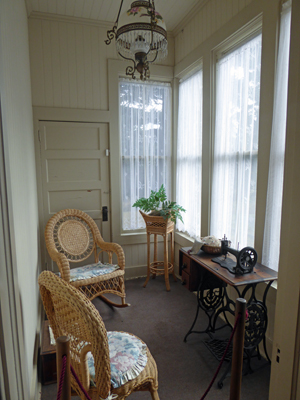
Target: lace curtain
[233, 195]
[145, 129]
[270, 254]
[189, 154]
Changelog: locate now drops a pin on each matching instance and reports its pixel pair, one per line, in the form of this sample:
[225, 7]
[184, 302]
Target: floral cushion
[91, 271]
[128, 357]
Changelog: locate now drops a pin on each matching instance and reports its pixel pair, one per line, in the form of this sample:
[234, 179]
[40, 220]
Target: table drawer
[185, 279]
[186, 264]
[47, 357]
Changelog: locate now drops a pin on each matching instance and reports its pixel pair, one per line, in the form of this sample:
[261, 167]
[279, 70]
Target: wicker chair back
[72, 236]
[71, 314]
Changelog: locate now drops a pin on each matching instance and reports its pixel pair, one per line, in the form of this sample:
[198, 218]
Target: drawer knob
[184, 266]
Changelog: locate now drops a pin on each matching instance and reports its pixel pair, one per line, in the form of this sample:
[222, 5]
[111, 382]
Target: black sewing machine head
[245, 259]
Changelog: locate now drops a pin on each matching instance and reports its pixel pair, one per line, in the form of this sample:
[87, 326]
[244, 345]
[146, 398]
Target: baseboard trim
[36, 386]
[137, 271]
[140, 271]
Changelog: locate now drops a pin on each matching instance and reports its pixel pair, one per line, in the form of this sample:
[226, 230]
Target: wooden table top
[260, 273]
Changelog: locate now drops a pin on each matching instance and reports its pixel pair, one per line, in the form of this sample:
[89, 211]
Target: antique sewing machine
[245, 259]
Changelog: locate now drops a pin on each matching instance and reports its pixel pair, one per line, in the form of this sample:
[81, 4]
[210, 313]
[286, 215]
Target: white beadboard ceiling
[174, 12]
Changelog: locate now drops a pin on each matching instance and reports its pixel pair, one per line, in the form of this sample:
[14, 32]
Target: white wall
[285, 382]
[70, 79]
[69, 62]
[211, 17]
[69, 70]
[16, 104]
[213, 24]
[226, 19]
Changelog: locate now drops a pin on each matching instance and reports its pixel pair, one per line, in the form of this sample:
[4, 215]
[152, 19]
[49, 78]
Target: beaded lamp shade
[141, 37]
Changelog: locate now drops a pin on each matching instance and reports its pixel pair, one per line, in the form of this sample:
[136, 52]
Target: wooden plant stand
[157, 225]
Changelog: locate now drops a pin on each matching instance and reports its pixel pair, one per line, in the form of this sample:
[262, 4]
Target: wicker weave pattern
[71, 314]
[157, 225]
[72, 236]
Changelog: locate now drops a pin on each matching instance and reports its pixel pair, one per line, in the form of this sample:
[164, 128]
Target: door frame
[13, 372]
[53, 114]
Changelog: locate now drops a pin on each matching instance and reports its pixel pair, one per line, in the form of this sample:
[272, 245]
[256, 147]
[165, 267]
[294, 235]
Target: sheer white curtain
[189, 154]
[270, 254]
[233, 194]
[145, 129]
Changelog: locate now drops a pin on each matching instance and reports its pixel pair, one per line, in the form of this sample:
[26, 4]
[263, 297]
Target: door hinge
[107, 151]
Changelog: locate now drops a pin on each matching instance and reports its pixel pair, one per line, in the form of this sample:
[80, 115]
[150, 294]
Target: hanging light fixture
[141, 37]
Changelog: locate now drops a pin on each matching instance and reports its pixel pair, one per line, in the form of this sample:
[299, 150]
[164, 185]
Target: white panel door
[75, 171]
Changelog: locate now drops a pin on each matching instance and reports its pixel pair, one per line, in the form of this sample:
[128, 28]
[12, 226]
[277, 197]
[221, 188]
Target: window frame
[233, 42]
[185, 75]
[243, 35]
[116, 69]
[217, 164]
[272, 231]
[152, 83]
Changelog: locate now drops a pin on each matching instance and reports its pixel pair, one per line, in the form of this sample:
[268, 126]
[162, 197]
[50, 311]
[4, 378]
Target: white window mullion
[189, 154]
[270, 252]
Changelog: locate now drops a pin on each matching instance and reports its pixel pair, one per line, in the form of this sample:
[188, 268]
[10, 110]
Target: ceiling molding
[76, 20]
[28, 7]
[73, 20]
[189, 17]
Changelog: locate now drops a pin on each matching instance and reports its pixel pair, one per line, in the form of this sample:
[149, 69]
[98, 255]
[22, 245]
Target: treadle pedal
[217, 347]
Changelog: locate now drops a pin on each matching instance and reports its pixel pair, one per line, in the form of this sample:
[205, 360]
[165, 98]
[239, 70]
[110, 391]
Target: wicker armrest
[113, 248]
[63, 265]
[85, 375]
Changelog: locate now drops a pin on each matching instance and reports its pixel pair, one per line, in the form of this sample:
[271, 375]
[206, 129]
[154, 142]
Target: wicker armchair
[72, 236]
[71, 314]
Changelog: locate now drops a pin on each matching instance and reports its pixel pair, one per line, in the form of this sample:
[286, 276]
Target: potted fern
[158, 205]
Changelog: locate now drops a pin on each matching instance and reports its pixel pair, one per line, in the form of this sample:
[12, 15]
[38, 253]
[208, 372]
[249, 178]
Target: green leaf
[157, 201]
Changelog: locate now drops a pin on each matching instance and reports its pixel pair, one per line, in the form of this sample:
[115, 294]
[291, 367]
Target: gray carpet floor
[161, 319]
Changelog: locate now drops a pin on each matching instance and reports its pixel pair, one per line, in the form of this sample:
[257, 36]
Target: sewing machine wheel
[247, 258]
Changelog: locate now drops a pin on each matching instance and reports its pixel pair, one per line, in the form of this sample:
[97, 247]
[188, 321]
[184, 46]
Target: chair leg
[155, 257]
[154, 395]
[172, 256]
[166, 265]
[112, 303]
[148, 260]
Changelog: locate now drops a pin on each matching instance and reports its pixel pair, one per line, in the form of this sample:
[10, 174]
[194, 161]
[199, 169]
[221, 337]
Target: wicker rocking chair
[106, 363]
[72, 236]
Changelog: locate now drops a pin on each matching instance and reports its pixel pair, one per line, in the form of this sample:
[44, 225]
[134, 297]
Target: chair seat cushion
[128, 358]
[91, 271]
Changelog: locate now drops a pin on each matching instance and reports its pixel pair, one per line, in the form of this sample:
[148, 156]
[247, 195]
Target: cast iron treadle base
[217, 348]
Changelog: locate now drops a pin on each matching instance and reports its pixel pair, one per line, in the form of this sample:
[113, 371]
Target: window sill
[140, 237]
[183, 239]
[131, 238]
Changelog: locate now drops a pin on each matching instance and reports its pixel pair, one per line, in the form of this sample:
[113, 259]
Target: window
[189, 153]
[233, 196]
[145, 128]
[270, 256]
